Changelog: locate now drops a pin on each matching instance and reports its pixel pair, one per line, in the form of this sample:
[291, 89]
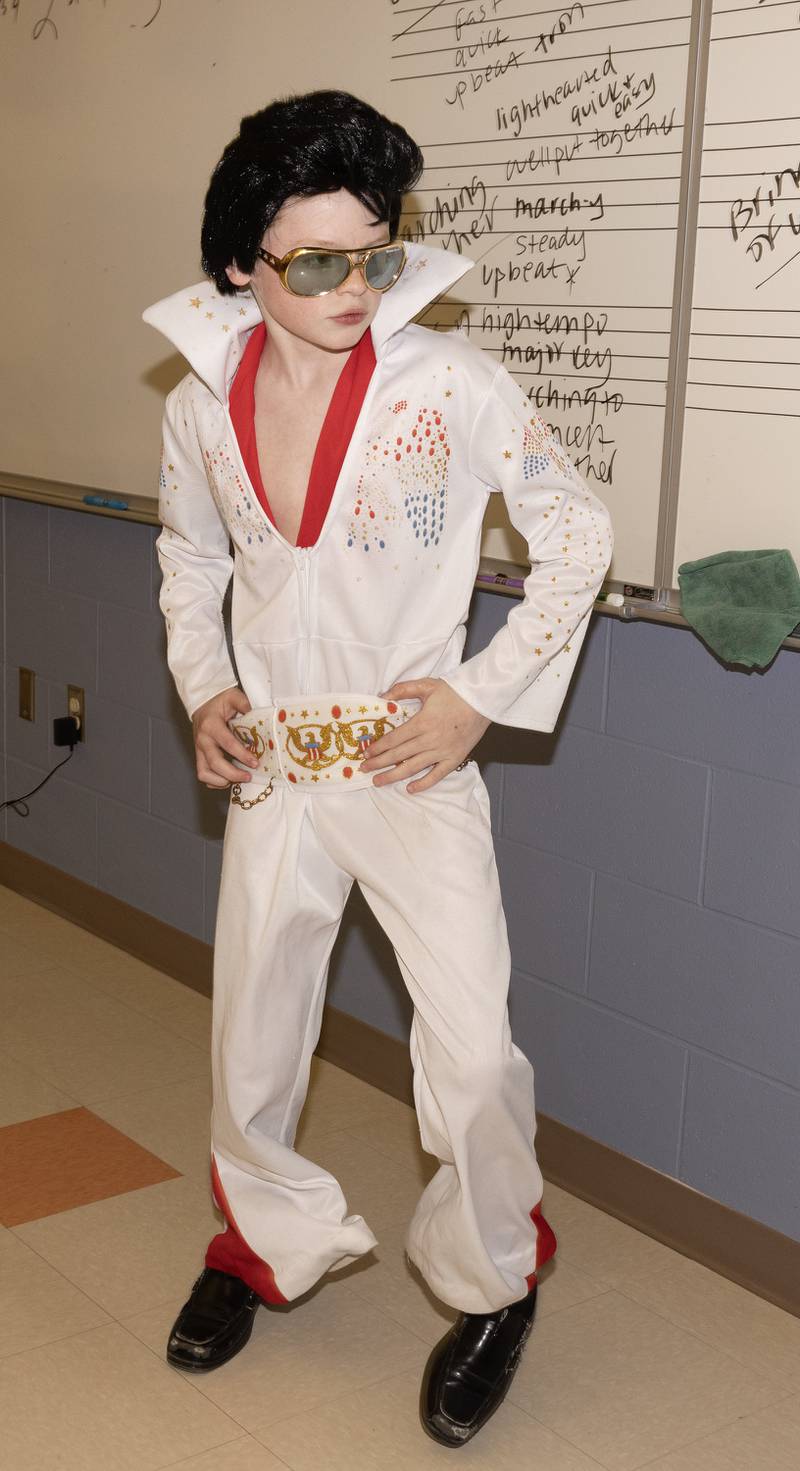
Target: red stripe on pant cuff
[230, 1253]
[545, 1243]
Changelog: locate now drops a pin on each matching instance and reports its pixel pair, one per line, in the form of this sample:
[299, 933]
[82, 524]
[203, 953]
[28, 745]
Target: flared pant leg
[280, 905]
[427, 868]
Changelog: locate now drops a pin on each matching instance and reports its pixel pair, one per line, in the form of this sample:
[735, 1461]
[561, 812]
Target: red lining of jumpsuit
[335, 434]
[228, 1251]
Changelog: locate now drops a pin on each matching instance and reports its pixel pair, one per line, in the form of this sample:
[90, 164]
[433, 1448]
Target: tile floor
[639, 1357]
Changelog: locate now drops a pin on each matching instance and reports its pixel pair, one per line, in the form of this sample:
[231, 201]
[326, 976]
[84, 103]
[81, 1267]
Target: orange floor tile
[66, 1159]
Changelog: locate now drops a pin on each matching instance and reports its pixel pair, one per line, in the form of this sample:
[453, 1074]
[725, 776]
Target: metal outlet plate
[76, 705]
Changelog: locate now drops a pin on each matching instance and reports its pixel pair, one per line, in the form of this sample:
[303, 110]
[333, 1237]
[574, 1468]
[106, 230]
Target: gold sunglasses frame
[357, 258]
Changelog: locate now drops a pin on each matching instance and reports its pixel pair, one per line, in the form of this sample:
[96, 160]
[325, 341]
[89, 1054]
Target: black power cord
[65, 733]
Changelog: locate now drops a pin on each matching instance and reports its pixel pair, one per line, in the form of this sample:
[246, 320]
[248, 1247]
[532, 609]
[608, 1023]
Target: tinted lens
[316, 272]
[384, 267]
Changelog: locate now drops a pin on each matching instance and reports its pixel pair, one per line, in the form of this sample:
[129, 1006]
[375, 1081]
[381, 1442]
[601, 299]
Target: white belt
[314, 741]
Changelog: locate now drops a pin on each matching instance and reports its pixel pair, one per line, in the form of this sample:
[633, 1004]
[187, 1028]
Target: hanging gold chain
[236, 795]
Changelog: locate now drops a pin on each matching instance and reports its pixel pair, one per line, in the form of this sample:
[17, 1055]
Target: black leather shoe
[470, 1370]
[214, 1324]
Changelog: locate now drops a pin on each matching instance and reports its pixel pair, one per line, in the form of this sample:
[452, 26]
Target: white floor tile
[747, 1328]
[101, 1400]
[324, 1345]
[378, 1429]
[625, 1386]
[39, 1304]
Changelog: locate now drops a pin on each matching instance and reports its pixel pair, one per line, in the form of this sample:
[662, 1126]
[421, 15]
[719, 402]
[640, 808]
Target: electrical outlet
[76, 707]
[27, 694]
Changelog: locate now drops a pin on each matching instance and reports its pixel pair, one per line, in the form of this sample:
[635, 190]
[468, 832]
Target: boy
[349, 457]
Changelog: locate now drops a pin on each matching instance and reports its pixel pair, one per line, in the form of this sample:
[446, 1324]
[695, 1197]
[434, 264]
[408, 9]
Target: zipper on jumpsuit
[303, 555]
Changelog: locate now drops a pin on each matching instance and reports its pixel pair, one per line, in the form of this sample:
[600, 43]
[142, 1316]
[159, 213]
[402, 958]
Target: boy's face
[339, 221]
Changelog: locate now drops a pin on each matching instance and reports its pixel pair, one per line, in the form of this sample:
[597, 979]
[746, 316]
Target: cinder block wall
[649, 855]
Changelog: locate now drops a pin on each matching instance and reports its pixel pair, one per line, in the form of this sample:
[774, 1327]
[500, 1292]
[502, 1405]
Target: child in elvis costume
[345, 730]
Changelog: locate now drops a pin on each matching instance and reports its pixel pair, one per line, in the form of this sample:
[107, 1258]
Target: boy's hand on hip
[212, 739]
[440, 735]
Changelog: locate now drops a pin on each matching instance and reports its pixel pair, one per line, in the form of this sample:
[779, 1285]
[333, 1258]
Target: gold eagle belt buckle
[317, 742]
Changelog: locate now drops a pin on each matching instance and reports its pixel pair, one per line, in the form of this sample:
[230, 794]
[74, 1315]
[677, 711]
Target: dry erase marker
[104, 500]
[499, 579]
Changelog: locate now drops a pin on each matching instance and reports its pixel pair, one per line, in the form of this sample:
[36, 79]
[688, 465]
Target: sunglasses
[306, 271]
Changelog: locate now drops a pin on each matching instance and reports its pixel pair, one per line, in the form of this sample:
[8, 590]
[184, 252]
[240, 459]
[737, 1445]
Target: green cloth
[743, 604]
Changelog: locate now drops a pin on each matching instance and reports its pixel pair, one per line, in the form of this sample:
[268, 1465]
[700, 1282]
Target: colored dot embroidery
[425, 483]
[540, 451]
[235, 501]
[372, 513]
[416, 453]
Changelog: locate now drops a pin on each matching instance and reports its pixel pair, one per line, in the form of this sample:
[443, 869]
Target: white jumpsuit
[381, 597]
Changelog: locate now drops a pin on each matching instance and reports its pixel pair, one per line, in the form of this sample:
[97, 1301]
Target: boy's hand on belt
[212, 738]
[440, 735]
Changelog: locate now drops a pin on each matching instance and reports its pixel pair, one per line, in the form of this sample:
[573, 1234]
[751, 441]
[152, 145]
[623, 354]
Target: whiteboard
[554, 156]
[740, 471]
[565, 153]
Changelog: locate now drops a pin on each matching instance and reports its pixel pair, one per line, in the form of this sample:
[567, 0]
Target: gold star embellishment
[225, 327]
[170, 467]
[537, 651]
[242, 312]
[568, 648]
[304, 715]
[507, 454]
[209, 315]
[194, 301]
[548, 635]
[448, 393]
[362, 709]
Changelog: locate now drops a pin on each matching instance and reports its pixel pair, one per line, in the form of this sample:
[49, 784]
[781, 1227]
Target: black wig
[316, 143]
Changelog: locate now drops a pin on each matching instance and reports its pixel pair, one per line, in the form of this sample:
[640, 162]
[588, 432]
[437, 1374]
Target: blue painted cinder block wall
[649, 855]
